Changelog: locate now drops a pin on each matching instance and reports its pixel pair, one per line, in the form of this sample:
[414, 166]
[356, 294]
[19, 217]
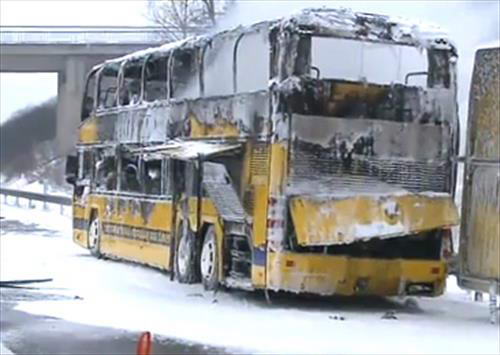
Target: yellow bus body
[328, 234]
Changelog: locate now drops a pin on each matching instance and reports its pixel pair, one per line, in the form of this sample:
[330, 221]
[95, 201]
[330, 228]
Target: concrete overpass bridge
[71, 52]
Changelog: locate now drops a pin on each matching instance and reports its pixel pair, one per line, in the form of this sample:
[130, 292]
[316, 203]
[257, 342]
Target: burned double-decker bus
[314, 153]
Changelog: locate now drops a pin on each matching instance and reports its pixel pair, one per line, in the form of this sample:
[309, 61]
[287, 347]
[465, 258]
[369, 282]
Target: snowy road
[37, 244]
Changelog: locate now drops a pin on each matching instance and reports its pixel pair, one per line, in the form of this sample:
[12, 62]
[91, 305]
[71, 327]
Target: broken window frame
[203, 64]
[124, 188]
[236, 46]
[165, 191]
[100, 107]
[172, 73]
[122, 77]
[439, 73]
[165, 82]
[86, 109]
[85, 166]
[433, 56]
[149, 183]
[100, 183]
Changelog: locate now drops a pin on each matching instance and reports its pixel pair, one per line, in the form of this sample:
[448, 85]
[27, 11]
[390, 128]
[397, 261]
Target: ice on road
[129, 296]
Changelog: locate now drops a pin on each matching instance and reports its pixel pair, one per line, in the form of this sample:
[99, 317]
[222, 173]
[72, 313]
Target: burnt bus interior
[369, 83]
[109, 170]
[338, 78]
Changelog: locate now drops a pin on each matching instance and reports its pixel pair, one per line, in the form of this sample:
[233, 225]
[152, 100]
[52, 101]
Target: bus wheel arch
[94, 234]
[209, 260]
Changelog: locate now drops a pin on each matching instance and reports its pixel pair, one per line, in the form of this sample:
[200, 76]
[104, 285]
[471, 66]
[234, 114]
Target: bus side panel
[136, 229]
[258, 189]
[480, 231]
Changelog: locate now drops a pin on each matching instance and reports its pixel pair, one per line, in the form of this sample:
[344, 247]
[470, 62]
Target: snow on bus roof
[343, 23]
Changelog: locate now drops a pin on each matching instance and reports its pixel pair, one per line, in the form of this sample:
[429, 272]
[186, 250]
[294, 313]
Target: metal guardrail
[34, 196]
[84, 35]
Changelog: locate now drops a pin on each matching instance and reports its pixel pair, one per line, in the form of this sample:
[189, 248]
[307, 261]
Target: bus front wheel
[209, 261]
[94, 236]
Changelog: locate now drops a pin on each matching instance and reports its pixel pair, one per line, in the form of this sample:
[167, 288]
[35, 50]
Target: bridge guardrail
[85, 35]
[35, 196]
[70, 37]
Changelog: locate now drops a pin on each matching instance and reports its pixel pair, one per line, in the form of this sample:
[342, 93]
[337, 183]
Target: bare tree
[182, 18]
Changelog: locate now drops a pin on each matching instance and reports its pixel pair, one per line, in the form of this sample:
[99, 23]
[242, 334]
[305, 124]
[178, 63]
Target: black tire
[209, 261]
[186, 256]
[94, 236]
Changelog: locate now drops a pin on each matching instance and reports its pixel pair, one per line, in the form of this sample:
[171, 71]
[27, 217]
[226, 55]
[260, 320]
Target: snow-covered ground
[128, 296]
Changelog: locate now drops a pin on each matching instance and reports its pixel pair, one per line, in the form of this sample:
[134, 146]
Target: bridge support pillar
[70, 88]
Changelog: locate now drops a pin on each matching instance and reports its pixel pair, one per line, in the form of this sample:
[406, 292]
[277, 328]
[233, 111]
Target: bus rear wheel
[94, 236]
[185, 258]
[209, 261]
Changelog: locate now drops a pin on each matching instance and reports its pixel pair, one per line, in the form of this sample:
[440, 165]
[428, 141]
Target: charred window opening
[303, 60]
[340, 98]
[107, 89]
[368, 62]
[130, 174]
[153, 177]
[184, 74]
[130, 82]
[156, 78]
[218, 67]
[439, 68]
[105, 171]
[275, 49]
[253, 52]
[89, 96]
[85, 165]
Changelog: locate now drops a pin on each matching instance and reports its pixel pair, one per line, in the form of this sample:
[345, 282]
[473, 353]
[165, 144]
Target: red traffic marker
[144, 344]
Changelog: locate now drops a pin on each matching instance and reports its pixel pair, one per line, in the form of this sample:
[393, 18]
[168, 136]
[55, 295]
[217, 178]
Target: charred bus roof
[336, 23]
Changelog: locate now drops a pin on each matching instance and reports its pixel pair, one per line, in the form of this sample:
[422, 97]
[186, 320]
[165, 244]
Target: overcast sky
[73, 12]
[470, 23]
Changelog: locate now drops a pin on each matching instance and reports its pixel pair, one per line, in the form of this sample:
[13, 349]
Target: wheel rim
[208, 259]
[93, 233]
[183, 258]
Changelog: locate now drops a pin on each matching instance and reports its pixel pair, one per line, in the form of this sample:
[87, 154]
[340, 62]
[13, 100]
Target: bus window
[130, 82]
[153, 177]
[218, 67]
[377, 63]
[439, 64]
[108, 81]
[85, 163]
[156, 78]
[253, 52]
[105, 168]
[89, 96]
[130, 175]
[184, 72]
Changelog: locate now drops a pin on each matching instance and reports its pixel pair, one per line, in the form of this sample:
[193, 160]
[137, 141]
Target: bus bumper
[341, 275]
